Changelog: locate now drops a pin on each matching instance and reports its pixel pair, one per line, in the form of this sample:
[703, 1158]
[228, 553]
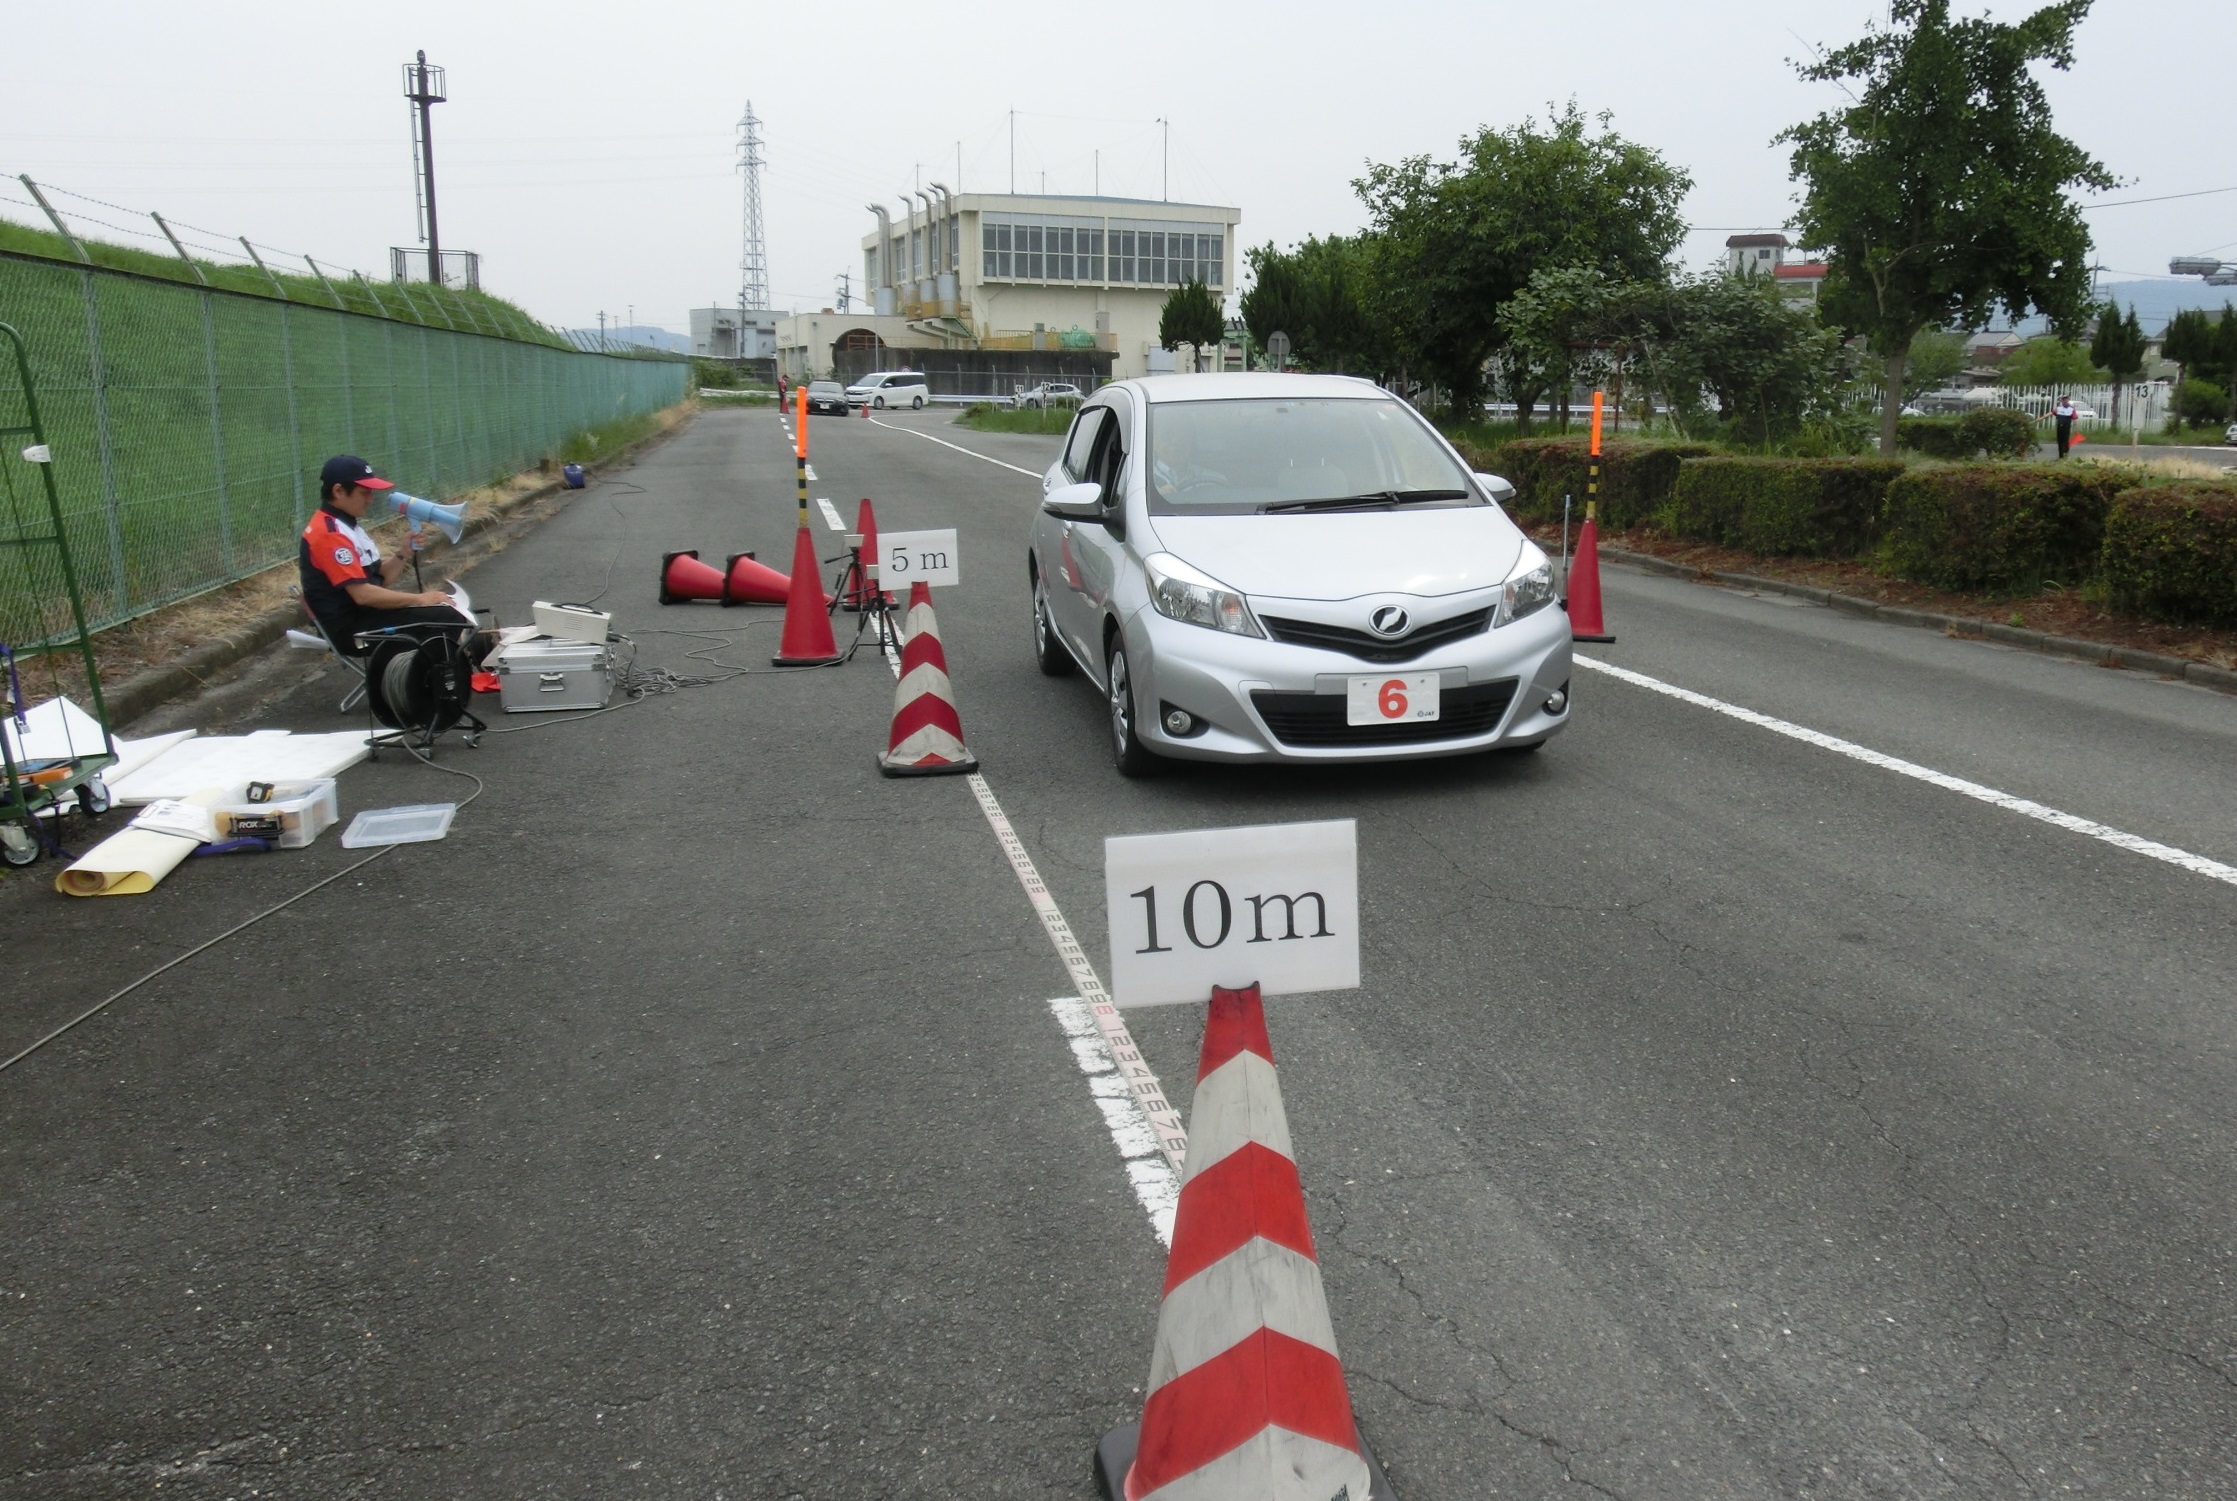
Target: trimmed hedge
[1996, 432]
[1636, 478]
[2171, 552]
[1816, 508]
[1999, 528]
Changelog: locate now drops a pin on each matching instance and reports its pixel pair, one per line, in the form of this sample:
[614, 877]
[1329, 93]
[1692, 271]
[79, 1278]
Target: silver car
[1290, 568]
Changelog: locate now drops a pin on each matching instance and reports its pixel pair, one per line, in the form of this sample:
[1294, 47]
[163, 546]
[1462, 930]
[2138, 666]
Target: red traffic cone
[861, 593]
[684, 578]
[745, 582]
[1247, 1399]
[927, 738]
[1584, 587]
[807, 637]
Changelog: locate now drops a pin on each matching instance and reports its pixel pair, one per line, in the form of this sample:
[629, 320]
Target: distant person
[2062, 416]
[349, 586]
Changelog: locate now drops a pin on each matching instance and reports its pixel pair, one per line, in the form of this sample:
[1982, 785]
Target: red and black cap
[349, 469]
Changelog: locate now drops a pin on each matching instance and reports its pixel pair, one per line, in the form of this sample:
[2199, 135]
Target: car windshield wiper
[1373, 500]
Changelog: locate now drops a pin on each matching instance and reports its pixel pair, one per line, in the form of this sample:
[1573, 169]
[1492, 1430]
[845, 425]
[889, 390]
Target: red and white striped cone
[1247, 1399]
[927, 738]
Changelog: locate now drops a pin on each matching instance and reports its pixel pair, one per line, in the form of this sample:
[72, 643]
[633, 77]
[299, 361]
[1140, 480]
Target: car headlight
[1179, 592]
[1528, 589]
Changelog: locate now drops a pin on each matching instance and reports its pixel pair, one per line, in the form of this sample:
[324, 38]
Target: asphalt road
[1720, 1116]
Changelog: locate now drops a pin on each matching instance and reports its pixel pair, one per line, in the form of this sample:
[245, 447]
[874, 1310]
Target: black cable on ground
[607, 582]
[209, 943]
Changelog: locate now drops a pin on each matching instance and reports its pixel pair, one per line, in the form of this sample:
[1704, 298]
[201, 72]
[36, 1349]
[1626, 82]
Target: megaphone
[449, 520]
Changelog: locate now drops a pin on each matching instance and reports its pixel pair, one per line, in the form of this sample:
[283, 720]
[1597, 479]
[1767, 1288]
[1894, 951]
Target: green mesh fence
[188, 425]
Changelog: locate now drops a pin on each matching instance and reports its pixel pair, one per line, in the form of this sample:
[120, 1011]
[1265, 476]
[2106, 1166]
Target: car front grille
[1318, 718]
[1372, 648]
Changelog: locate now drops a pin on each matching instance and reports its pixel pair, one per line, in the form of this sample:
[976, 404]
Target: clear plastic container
[295, 814]
[414, 823]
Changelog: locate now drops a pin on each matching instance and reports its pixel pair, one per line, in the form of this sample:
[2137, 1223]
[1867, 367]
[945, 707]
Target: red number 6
[1392, 700]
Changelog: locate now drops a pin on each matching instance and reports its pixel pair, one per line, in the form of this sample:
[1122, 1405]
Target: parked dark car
[827, 396]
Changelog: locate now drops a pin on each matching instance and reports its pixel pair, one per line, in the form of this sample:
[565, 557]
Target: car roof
[1257, 385]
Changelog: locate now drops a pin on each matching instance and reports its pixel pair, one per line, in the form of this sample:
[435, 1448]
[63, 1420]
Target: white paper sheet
[231, 760]
[58, 729]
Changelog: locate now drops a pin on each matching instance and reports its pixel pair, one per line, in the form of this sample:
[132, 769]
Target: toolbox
[543, 674]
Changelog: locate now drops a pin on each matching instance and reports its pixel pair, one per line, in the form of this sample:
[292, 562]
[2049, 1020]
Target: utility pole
[846, 302]
[1165, 189]
[424, 87]
[602, 330]
[1098, 171]
[1013, 153]
[753, 266]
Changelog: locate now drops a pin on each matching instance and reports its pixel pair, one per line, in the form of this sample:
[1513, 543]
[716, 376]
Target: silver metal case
[542, 675]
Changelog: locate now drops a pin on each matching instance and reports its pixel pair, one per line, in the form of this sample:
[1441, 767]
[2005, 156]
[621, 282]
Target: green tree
[1939, 191]
[1317, 294]
[1935, 357]
[1276, 299]
[1767, 365]
[1192, 316]
[1453, 241]
[2049, 361]
[2188, 340]
[2118, 347]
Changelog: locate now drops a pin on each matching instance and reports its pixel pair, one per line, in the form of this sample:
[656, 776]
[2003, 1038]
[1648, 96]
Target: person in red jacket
[349, 586]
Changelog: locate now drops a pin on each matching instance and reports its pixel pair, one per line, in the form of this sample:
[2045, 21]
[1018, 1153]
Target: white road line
[1145, 1127]
[1163, 1119]
[1155, 1183]
[812, 471]
[959, 448]
[2196, 864]
[831, 515]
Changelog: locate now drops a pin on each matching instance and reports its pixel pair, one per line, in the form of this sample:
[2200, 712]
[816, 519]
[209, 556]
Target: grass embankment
[419, 302]
[164, 635]
[986, 417]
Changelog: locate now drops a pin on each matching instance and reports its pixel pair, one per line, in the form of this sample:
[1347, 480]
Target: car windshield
[1296, 454]
[817, 387]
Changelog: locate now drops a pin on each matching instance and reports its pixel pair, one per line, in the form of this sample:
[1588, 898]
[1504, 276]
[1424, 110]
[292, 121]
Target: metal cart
[34, 568]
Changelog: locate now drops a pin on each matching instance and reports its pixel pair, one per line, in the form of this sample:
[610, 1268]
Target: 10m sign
[1276, 905]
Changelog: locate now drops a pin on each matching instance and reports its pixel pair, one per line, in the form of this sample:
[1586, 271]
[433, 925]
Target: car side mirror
[1075, 502]
[1500, 490]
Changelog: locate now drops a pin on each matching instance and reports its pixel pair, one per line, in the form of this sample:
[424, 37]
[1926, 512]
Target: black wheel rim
[1122, 704]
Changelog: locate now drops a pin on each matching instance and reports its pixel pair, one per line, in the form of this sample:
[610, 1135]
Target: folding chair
[317, 639]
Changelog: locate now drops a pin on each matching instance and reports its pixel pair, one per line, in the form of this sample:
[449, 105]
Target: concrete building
[1027, 283]
[1755, 255]
[728, 333]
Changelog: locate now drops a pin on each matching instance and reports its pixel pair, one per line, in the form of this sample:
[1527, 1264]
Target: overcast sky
[588, 151]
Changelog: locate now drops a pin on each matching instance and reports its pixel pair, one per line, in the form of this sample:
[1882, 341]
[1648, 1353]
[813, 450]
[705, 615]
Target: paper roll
[126, 863]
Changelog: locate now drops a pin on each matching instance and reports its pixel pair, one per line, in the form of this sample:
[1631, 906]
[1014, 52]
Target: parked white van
[890, 388]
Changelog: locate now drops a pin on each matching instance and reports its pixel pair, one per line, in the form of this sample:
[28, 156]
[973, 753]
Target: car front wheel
[878, 402]
[1055, 661]
[1128, 754]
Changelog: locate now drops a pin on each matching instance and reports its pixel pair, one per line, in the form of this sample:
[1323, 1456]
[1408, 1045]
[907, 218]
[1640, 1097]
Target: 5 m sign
[1277, 904]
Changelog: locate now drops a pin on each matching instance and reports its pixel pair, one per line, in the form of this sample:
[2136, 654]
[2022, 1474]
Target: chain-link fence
[188, 424]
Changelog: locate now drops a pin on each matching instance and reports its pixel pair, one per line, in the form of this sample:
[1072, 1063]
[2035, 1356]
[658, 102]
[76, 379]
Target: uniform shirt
[334, 553]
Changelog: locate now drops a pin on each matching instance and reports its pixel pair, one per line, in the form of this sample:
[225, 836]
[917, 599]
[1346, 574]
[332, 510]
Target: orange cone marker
[927, 737]
[1247, 1400]
[1583, 582]
[861, 593]
[807, 636]
[746, 582]
[684, 578]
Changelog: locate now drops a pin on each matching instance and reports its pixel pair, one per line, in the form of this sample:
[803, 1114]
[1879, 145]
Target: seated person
[346, 581]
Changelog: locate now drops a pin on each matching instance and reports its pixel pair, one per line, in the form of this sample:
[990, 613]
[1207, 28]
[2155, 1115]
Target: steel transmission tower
[753, 270]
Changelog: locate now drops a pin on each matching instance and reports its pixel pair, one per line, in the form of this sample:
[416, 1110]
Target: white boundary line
[1162, 1118]
[959, 448]
[1144, 1126]
[2041, 813]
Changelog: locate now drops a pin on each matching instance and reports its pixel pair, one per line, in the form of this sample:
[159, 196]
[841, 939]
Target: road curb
[2221, 679]
[138, 696]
